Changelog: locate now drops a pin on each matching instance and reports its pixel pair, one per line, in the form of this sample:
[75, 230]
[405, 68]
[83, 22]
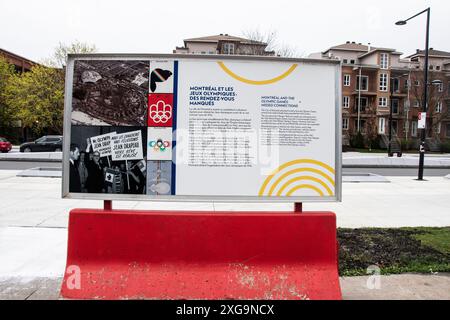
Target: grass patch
[436, 238]
[420, 250]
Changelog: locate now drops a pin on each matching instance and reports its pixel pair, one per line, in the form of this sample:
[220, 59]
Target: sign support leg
[107, 205]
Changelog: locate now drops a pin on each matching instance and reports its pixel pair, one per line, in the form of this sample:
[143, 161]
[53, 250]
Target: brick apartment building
[369, 74]
[374, 79]
[224, 44]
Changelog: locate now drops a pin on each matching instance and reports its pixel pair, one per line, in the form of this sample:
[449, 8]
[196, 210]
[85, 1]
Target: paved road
[388, 172]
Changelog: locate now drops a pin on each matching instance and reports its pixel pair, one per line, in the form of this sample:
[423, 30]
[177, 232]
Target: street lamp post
[425, 93]
[391, 94]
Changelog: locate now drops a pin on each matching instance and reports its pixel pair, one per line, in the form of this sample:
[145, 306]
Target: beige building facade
[223, 44]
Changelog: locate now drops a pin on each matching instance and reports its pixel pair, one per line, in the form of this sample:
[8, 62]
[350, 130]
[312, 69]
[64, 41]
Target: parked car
[5, 145]
[43, 144]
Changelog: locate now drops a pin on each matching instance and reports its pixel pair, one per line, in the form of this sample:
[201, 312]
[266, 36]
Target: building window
[414, 128]
[438, 128]
[406, 84]
[352, 61]
[440, 86]
[347, 79]
[431, 67]
[439, 107]
[396, 84]
[362, 106]
[346, 102]
[381, 125]
[447, 130]
[394, 126]
[345, 61]
[384, 61]
[382, 102]
[438, 68]
[362, 125]
[383, 82]
[345, 123]
[416, 104]
[407, 105]
[416, 83]
[228, 48]
[362, 85]
[395, 106]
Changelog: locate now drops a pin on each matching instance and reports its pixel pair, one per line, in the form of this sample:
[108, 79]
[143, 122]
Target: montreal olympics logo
[159, 145]
[160, 112]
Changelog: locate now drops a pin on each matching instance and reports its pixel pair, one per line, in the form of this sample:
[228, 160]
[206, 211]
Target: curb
[31, 159]
[398, 166]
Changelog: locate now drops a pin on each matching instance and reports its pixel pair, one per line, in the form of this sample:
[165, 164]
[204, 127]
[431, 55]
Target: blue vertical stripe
[174, 128]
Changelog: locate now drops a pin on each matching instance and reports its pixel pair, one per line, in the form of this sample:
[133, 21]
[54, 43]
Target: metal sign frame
[178, 198]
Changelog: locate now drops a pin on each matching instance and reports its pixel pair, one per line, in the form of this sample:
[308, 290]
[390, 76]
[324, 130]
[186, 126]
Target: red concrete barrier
[197, 255]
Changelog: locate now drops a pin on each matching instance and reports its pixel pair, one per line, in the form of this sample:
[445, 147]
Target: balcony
[364, 93]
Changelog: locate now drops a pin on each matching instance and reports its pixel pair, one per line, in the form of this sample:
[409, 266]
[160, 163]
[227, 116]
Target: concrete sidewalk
[36, 202]
[34, 218]
[394, 287]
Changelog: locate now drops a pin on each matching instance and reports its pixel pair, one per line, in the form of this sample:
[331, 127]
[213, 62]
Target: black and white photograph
[110, 92]
[108, 160]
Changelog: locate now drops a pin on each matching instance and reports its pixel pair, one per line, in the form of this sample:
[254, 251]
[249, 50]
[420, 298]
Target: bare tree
[436, 96]
[271, 41]
[371, 124]
[58, 60]
[288, 51]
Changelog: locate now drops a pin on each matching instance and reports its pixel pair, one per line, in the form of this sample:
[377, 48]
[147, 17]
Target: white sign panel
[422, 120]
[102, 144]
[256, 129]
[127, 146]
[216, 128]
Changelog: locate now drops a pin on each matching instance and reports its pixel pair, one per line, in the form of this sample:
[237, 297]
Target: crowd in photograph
[91, 173]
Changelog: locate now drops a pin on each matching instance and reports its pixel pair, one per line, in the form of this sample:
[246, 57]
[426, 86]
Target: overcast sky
[34, 28]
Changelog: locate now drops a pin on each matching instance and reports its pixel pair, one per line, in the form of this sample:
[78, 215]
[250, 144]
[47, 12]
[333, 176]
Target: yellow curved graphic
[299, 170]
[304, 186]
[293, 180]
[257, 82]
[289, 179]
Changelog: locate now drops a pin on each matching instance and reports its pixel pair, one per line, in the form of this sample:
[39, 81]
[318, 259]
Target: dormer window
[228, 48]
[384, 61]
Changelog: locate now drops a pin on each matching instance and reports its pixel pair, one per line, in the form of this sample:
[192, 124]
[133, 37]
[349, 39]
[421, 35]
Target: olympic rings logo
[159, 145]
[160, 112]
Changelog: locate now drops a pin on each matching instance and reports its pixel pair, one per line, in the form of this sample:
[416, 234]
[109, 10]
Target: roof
[358, 47]
[9, 53]
[377, 50]
[432, 52]
[224, 37]
[350, 46]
